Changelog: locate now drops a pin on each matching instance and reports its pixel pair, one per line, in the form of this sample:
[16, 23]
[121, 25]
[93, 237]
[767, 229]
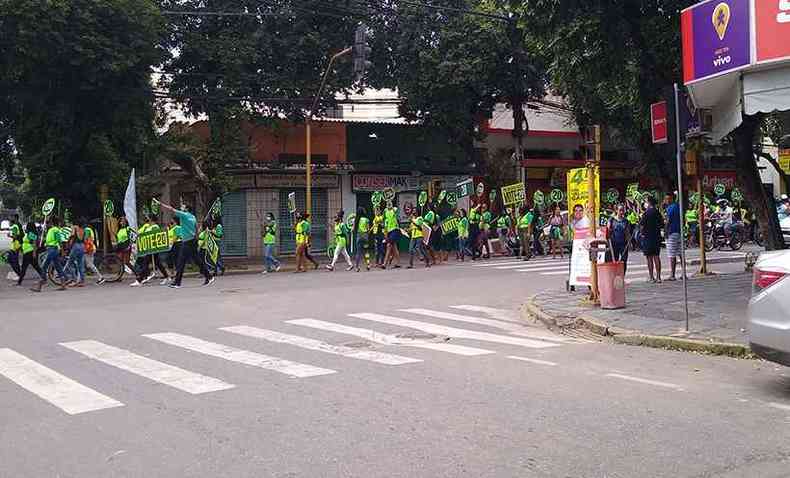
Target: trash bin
[611, 285]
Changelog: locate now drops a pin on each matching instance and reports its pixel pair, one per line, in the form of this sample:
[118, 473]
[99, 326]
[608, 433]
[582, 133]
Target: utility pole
[703, 261]
[361, 51]
[593, 165]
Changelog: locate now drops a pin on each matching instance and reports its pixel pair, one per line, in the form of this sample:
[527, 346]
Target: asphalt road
[327, 375]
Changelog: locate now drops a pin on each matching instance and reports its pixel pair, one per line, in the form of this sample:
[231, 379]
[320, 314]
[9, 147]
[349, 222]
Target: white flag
[130, 204]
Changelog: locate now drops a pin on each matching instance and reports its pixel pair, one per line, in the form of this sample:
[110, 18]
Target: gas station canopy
[736, 59]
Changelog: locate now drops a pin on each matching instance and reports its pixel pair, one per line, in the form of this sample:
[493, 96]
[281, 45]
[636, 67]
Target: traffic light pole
[308, 133]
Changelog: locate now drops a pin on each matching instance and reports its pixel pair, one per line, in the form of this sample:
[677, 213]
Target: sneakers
[330, 267]
[165, 281]
[349, 268]
[277, 269]
[148, 279]
[208, 282]
[136, 283]
[101, 281]
[174, 286]
[128, 271]
[264, 272]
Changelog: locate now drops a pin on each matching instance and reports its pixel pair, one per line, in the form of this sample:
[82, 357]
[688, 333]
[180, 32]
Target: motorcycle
[721, 235]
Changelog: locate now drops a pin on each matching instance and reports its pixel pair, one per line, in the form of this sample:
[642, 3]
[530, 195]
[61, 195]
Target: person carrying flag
[188, 250]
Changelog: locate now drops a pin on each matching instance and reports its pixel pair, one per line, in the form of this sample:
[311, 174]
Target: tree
[264, 62]
[75, 88]
[451, 64]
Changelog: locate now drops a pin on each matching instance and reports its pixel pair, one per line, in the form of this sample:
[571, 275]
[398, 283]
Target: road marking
[525, 359]
[312, 344]
[780, 406]
[519, 330]
[276, 364]
[454, 332]
[61, 391]
[170, 375]
[385, 339]
[524, 263]
[646, 381]
[564, 269]
[630, 267]
[500, 314]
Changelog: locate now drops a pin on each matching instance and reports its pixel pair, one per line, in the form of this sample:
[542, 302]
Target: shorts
[393, 236]
[673, 245]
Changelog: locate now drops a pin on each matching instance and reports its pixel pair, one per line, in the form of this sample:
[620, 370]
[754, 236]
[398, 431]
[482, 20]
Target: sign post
[681, 206]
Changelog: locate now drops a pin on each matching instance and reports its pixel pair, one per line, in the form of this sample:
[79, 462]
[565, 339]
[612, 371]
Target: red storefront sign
[772, 18]
[712, 178]
[658, 122]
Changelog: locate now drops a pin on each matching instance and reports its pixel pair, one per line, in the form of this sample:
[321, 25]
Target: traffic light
[361, 53]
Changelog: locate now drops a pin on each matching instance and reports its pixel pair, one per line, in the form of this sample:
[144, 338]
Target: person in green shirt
[52, 243]
[431, 219]
[308, 231]
[361, 235]
[416, 242]
[341, 234]
[392, 228]
[377, 233]
[218, 232]
[29, 256]
[525, 232]
[463, 235]
[16, 235]
[300, 236]
[482, 237]
[144, 273]
[692, 222]
[91, 243]
[270, 262]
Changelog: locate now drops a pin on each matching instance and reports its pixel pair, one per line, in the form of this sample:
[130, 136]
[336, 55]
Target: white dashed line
[646, 381]
[530, 360]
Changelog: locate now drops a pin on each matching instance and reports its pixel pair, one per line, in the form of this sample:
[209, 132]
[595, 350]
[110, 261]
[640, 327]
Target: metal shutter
[234, 222]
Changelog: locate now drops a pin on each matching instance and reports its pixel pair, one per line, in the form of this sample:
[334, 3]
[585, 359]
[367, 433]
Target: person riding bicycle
[52, 242]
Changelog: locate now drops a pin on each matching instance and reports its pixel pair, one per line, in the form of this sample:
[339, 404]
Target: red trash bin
[611, 285]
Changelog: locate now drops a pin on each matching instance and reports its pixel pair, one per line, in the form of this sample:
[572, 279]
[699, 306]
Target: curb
[630, 337]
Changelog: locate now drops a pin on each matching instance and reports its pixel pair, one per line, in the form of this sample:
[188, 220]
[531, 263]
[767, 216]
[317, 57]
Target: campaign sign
[152, 243]
[716, 38]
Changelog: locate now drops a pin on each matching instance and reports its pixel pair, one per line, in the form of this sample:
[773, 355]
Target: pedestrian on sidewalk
[430, 220]
[188, 250]
[525, 232]
[556, 232]
[361, 238]
[392, 229]
[341, 233]
[673, 228]
[416, 240]
[29, 255]
[77, 256]
[270, 263]
[619, 234]
[650, 227]
[308, 231]
[463, 235]
[377, 232]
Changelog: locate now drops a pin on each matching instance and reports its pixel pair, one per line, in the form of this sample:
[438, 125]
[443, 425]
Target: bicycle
[110, 265]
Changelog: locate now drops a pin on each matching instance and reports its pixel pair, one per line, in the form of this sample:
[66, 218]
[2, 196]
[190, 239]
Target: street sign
[48, 207]
[719, 189]
[538, 198]
[557, 196]
[658, 122]
[109, 208]
[514, 194]
[292, 202]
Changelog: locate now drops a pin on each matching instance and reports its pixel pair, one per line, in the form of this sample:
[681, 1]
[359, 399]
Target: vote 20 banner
[152, 243]
[450, 225]
[577, 190]
[514, 194]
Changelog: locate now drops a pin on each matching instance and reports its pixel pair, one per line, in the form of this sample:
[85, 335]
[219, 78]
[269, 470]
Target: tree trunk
[749, 180]
[775, 164]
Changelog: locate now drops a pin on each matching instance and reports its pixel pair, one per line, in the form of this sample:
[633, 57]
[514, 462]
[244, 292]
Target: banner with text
[577, 190]
[152, 243]
[514, 194]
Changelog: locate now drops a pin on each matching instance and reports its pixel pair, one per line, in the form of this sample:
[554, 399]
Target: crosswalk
[496, 328]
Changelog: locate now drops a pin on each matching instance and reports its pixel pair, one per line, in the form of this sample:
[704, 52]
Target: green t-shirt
[474, 215]
[29, 242]
[341, 230]
[122, 235]
[430, 218]
[503, 222]
[16, 237]
[391, 219]
[53, 237]
[463, 228]
[416, 227]
[691, 215]
[485, 220]
[219, 231]
[364, 225]
[270, 233]
[525, 221]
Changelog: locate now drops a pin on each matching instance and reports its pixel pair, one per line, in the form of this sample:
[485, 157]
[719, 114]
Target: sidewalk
[654, 314]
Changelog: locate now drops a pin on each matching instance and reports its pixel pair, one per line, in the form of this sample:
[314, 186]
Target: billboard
[772, 30]
[716, 38]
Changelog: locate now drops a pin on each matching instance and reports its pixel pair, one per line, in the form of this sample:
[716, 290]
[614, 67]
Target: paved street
[406, 373]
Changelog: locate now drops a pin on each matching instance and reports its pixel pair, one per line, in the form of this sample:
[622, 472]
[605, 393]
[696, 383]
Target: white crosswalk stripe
[498, 264]
[60, 391]
[499, 314]
[312, 344]
[385, 339]
[515, 329]
[453, 332]
[170, 375]
[556, 273]
[276, 364]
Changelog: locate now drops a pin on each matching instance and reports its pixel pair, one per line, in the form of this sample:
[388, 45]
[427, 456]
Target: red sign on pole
[658, 122]
[773, 30]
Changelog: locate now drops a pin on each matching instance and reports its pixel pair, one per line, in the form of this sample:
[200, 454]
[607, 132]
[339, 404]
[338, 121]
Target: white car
[785, 225]
[769, 307]
[5, 241]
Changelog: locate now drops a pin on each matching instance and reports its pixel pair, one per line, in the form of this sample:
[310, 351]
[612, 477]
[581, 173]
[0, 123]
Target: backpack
[90, 244]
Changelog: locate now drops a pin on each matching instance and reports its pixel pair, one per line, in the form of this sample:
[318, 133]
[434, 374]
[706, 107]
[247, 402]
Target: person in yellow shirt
[416, 240]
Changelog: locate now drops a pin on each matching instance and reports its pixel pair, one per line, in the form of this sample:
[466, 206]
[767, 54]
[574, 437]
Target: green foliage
[75, 92]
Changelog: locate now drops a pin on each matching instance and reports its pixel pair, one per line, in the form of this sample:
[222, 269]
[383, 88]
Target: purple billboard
[716, 38]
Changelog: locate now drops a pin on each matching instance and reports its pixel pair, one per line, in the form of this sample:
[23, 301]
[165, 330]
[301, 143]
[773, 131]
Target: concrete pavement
[404, 373]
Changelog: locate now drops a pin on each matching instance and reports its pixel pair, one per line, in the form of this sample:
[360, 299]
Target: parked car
[769, 307]
[785, 225]
[5, 240]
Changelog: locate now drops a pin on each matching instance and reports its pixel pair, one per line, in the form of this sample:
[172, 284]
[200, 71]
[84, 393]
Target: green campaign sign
[109, 208]
[481, 188]
[736, 195]
[492, 195]
[389, 194]
[376, 198]
[694, 198]
[216, 208]
[452, 199]
[350, 221]
[422, 199]
[291, 203]
[557, 196]
[465, 189]
[152, 243]
[612, 195]
[719, 189]
[538, 198]
[450, 225]
[212, 248]
[514, 194]
[48, 207]
[155, 206]
[632, 190]
[442, 195]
